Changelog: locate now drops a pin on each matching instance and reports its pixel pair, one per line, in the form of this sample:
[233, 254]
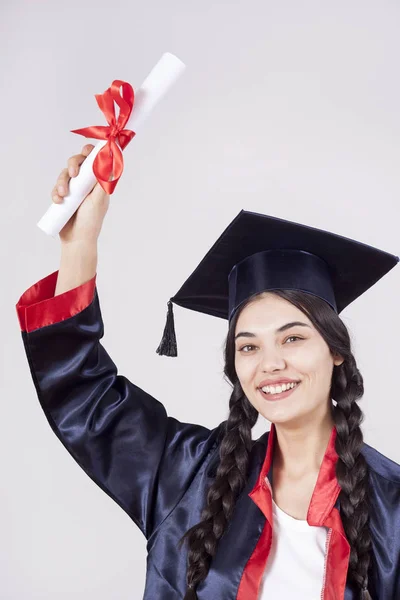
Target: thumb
[98, 194]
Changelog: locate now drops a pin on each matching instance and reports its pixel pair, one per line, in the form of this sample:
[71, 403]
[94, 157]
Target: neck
[300, 449]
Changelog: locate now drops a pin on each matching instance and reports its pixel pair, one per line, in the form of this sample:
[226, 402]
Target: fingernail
[60, 189]
[72, 171]
[55, 198]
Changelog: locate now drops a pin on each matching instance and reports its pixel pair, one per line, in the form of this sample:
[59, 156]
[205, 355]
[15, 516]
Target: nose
[271, 360]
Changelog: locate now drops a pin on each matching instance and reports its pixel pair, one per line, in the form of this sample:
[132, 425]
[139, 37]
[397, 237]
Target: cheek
[316, 364]
[245, 370]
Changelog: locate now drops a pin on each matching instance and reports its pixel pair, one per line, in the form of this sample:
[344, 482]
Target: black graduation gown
[159, 469]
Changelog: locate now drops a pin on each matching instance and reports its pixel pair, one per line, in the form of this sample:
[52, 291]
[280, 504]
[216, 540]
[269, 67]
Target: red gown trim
[38, 307]
[321, 512]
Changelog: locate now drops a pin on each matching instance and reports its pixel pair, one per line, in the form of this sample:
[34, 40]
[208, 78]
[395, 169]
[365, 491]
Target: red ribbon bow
[110, 160]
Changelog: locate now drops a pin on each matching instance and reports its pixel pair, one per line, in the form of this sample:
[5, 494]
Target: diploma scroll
[154, 87]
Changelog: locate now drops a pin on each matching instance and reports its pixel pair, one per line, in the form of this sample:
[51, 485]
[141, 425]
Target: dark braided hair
[351, 469]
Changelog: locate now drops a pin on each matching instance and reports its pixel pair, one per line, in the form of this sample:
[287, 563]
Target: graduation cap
[259, 252]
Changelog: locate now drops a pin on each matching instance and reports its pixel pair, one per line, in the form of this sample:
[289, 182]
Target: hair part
[352, 471]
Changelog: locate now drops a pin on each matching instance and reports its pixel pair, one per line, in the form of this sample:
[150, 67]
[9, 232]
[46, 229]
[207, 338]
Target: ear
[338, 360]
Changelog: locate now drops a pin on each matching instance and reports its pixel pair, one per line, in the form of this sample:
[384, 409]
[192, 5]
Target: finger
[74, 162]
[62, 184]
[86, 150]
[54, 196]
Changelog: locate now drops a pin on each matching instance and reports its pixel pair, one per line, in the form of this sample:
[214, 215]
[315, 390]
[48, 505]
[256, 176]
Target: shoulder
[384, 521]
[381, 466]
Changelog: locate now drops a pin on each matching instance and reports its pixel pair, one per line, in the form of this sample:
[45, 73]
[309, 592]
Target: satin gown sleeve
[120, 435]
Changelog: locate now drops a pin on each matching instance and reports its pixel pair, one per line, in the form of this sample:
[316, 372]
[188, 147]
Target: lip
[277, 382]
[280, 396]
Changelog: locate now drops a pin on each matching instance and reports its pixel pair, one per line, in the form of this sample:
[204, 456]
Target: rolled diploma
[154, 87]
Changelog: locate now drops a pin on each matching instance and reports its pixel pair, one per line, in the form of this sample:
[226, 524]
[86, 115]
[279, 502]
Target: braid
[230, 479]
[352, 470]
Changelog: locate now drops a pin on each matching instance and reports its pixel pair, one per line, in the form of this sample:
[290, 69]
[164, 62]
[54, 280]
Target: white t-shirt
[295, 565]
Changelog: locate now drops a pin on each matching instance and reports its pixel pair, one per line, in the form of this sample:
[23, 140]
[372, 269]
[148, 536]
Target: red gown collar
[326, 489]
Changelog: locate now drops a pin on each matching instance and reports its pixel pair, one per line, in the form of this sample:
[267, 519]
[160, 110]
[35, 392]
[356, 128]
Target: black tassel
[168, 345]
[190, 594]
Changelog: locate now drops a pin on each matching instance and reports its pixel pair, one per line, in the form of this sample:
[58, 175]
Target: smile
[278, 395]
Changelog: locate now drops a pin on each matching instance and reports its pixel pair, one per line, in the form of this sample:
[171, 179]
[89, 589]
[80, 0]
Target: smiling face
[269, 350]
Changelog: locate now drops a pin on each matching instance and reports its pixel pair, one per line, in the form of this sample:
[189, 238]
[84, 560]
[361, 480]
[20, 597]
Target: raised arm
[120, 435]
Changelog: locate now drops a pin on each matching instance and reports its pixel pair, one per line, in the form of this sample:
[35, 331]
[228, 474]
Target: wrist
[78, 265]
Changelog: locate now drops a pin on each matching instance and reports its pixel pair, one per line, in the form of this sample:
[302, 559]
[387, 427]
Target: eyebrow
[279, 330]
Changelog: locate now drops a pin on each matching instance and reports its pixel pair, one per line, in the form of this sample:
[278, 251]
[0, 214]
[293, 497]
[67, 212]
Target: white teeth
[270, 389]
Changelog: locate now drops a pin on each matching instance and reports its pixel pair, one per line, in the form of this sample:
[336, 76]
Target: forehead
[269, 312]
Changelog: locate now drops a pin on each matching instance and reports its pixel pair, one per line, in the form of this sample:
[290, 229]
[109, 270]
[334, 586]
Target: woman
[308, 510]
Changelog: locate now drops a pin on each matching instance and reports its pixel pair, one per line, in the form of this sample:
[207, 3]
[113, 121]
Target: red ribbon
[110, 160]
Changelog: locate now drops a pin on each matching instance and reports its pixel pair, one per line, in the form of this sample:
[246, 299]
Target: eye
[294, 337]
[242, 349]
[247, 346]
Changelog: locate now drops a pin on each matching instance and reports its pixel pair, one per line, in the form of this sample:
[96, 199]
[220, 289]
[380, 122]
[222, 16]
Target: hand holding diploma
[105, 159]
[83, 228]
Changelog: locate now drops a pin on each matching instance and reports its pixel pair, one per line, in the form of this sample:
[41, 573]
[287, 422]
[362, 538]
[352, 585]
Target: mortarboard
[259, 252]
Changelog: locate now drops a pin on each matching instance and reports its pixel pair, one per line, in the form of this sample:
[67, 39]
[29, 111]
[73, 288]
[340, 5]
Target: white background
[286, 108]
